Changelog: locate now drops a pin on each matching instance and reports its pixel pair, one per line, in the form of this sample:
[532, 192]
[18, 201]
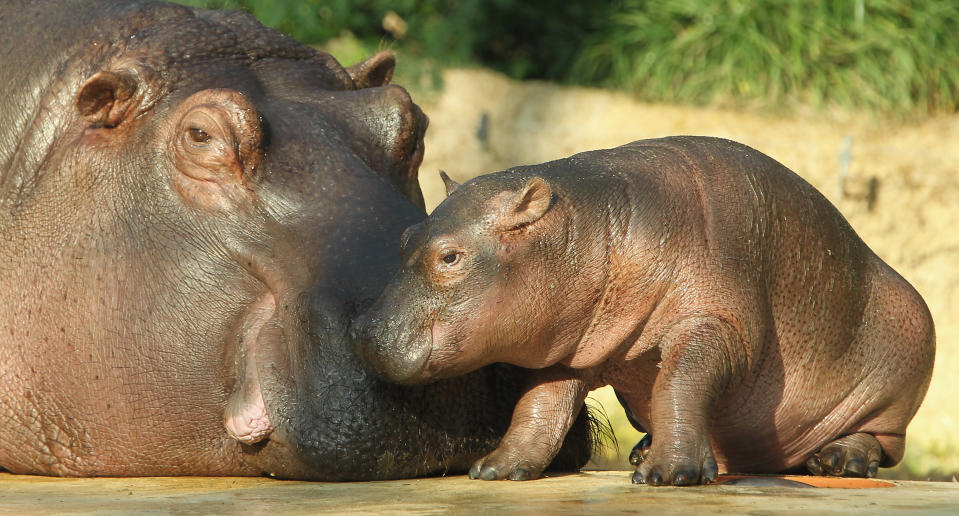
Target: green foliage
[885, 55]
[309, 21]
[532, 38]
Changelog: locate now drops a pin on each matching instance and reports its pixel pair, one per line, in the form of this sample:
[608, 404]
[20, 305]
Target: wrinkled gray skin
[192, 208]
[737, 314]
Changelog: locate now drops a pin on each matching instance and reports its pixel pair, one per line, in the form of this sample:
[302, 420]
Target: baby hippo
[738, 316]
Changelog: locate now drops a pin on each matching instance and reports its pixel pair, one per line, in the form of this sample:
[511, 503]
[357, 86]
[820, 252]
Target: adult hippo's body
[192, 208]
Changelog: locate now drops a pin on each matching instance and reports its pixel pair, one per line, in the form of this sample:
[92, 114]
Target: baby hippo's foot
[541, 419]
[680, 464]
[853, 455]
[505, 463]
[641, 450]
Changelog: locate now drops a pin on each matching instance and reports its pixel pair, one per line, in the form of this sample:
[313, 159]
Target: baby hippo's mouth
[246, 418]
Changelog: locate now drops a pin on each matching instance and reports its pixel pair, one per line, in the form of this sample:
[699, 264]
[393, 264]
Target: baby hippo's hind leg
[542, 417]
[898, 331]
[853, 455]
[641, 450]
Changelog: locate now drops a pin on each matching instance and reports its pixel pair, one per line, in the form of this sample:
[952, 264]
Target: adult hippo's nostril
[388, 117]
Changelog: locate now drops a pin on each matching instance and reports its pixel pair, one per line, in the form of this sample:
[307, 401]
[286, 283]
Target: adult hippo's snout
[217, 202]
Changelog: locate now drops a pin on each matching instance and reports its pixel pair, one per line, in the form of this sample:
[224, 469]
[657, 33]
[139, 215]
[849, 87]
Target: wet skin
[737, 314]
[192, 209]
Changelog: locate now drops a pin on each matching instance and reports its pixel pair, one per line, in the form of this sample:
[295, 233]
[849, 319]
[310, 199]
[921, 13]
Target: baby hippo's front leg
[550, 403]
[697, 366]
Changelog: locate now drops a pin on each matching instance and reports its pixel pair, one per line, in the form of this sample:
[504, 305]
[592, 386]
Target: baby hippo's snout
[389, 349]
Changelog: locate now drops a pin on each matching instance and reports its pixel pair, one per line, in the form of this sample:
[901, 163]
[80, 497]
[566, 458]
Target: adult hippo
[192, 208]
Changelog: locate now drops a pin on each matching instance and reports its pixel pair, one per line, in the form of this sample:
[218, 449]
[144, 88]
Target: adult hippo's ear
[526, 206]
[107, 97]
[112, 96]
[374, 71]
[217, 148]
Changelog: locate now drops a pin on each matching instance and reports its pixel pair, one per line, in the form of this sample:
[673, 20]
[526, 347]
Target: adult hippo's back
[192, 208]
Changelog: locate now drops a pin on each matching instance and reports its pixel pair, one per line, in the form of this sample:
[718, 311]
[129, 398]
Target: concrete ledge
[596, 492]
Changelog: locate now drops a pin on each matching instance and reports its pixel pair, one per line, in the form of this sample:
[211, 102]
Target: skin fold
[193, 207]
[740, 319]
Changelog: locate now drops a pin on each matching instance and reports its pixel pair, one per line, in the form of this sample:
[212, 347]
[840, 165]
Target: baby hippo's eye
[451, 257]
[448, 265]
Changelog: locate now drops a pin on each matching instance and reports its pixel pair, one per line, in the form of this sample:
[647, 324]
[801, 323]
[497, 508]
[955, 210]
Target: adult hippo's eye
[198, 136]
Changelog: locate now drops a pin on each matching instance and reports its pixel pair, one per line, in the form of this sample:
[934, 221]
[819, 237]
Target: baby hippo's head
[474, 284]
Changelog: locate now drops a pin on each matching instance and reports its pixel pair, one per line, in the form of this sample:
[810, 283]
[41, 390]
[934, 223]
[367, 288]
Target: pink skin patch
[437, 333]
[246, 419]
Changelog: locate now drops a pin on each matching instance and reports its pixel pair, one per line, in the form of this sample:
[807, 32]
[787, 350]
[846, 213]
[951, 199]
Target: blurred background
[859, 97]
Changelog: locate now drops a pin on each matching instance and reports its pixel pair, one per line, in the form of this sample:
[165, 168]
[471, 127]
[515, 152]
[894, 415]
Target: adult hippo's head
[192, 209]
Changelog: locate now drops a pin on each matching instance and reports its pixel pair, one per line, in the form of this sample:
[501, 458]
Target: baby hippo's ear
[450, 185]
[529, 204]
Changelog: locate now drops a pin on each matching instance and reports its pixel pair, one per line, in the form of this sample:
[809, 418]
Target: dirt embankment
[897, 183]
